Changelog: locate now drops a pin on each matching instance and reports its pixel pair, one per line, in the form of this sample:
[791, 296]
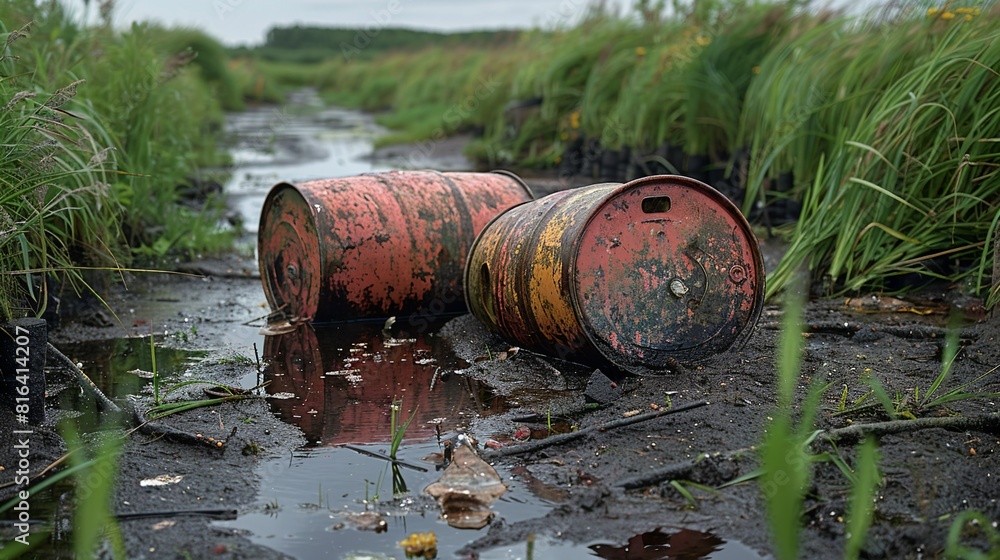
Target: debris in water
[142, 373]
[467, 488]
[368, 521]
[420, 545]
[162, 480]
[393, 342]
[342, 372]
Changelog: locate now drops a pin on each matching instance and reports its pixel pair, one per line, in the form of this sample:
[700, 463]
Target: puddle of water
[345, 377]
[121, 367]
[339, 382]
[306, 502]
[659, 544]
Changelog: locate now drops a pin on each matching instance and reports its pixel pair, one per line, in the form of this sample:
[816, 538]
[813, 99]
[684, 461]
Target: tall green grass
[885, 122]
[57, 211]
[912, 183]
[98, 130]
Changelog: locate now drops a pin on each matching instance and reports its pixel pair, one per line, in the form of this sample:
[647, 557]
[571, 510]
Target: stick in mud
[563, 438]
[139, 420]
[989, 423]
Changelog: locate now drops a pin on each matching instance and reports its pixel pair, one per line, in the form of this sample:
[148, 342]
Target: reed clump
[873, 134]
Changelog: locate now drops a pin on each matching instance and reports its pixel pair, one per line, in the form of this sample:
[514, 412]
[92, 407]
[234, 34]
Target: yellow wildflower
[420, 544]
[964, 10]
[574, 119]
[947, 15]
[640, 51]
[756, 69]
[931, 12]
[703, 40]
[968, 17]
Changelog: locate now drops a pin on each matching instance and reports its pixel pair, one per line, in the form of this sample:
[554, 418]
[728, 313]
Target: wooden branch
[558, 439]
[989, 423]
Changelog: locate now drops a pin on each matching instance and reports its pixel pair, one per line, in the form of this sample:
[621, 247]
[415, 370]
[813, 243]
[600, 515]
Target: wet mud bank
[624, 484]
[627, 481]
[168, 490]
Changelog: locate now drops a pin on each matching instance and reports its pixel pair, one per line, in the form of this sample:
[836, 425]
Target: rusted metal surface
[661, 270]
[375, 245]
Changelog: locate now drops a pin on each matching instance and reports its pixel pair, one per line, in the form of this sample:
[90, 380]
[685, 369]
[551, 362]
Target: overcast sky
[246, 21]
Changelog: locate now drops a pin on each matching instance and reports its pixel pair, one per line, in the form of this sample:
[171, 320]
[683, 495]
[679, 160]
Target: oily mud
[928, 476]
[603, 480]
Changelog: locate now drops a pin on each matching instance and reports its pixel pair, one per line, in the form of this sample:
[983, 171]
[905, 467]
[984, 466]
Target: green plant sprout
[395, 431]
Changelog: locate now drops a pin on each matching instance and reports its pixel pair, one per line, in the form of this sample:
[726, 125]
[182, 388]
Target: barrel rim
[269, 290]
[520, 181]
[475, 245]
[758, 300]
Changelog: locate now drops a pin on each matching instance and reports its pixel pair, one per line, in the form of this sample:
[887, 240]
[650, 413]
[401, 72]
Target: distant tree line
[300, 43]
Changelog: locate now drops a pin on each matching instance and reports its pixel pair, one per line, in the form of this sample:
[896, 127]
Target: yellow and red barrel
[377, 244]
[642, 275]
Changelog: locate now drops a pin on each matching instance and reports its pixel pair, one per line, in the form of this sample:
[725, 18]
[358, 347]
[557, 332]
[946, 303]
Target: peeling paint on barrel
[377, 244]
[661, 270]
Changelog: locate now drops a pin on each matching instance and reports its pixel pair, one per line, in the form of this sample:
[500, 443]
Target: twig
[557, 439]
[260, 370]
[140, 422]
[986, 423]
[213, 513]
[384, 458]
[103, 402]
[675, 471]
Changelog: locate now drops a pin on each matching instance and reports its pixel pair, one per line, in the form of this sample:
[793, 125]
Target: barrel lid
[666, 268]
[289, 254]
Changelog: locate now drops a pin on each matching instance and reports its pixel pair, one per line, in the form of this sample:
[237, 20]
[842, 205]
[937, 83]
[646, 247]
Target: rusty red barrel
[641, 275]
[377, 244]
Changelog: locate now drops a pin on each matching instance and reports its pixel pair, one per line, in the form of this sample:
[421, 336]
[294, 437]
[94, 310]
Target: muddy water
[306, 140]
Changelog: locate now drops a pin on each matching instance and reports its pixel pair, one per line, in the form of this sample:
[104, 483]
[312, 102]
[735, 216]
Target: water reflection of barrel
[344, 378]
[661, 269]
[378, 244]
